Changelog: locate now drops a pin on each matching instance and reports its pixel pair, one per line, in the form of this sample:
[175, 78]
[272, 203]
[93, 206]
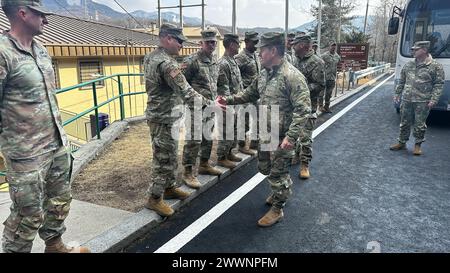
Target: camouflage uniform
[250, 68]
[33, 143]
[289, 56]
[229, 83]
[165, 84]
[201, 72]
[312, 67]
[284, 86]
[331, 62]
[419, 84]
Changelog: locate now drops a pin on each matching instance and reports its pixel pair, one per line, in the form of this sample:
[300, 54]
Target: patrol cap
[209, 35]
[332, 43]
[301, 38]
[421, 44]
[291, 35]
[35, 5]
[232, 37]
[172, 30]
[314, 43]
[251, 36]
[271, 39]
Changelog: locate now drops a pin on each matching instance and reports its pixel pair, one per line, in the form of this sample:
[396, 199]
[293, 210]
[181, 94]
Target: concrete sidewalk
[105, 229]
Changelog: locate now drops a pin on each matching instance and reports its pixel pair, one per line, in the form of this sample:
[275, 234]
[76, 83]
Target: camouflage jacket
[331, 63]
[286, 87]
[30, 122]
[249, 66]
[165, 85]
[230, 81]
[312, 67]
[289, 56]
[421, 82]
[202, 72]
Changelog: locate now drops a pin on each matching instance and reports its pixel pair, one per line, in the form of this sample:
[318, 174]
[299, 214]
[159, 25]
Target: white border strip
[189, 233]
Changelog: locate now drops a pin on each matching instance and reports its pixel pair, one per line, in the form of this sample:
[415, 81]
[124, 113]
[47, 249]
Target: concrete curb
[136, 226]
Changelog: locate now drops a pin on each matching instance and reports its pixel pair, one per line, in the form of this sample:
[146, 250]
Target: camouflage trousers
[303, 148]
[248, 120]
[194, 146]
[327, 93]
[413, 114]
[164, 161]
[276, 165]
[40, 191]
[225, 145]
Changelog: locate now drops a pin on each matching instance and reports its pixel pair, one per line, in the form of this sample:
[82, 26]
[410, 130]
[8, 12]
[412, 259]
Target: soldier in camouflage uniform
[331, 59]
[312, 67]
[419, 88]
[201, 70]
[280, 84]
[315, 47]
[289, 54]
[32, 139]
[229, 83]
[165, 84]
[250, 68]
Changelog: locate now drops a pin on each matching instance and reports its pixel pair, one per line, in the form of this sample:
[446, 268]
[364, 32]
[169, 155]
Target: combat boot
[322, 109]
[175, 193]
[189, 178]
[417, 150]
[233, 157]
[226, 163]
[56, 245]
[206, 168]
[397, 147]
[327, 109]
[246, 150]
[304, 171]
[269, 200]
[273, 216]
[159, 206]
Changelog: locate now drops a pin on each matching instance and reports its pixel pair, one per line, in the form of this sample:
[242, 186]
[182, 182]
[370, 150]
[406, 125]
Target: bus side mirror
[393, 25]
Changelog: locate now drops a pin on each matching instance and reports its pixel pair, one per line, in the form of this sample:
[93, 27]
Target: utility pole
[233, 25]
[181, 14]
[365, 20]
[203, 14]
[159, 14]
[286, 26]
[319, 26]
[85, 10]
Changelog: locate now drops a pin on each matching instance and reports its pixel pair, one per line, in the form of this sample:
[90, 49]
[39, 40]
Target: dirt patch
[120, 176]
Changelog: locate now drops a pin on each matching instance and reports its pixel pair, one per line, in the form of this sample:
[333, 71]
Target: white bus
[424, 20]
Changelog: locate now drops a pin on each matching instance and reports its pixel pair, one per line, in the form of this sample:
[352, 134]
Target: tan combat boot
[206, 168]
[273, 216]
[417, 150]
[304, 171]
[326, 109]
[226, 163]
[175, 193]
[246, 150]
[397, 147]
[159, 206]
[322, 109]
[56, 245]
[189, 178]
[269, 200]
[233, 157]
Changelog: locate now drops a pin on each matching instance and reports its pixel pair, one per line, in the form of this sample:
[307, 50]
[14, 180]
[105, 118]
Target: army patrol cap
[35, 5]
[421, 44]
[172, 30]
[291, 36]
[301, 38]
[271, 39]
[252, 36]
[232, 37]
[314, 43]
[332, 43]
[209, 35]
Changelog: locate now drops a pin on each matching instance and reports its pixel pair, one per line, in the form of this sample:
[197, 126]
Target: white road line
[189, 233]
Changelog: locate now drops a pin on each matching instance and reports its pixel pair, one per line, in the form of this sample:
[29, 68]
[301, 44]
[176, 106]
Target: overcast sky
[251, 13]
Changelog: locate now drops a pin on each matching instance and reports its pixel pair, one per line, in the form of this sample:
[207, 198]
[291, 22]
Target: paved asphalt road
[360, 193]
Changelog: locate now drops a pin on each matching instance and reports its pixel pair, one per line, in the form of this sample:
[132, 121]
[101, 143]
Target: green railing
[96, 106]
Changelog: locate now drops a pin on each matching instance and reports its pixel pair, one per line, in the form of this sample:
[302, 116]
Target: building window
[56, 69]
[90, 70]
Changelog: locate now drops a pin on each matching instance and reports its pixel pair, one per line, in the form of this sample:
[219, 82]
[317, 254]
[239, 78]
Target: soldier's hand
[286, 144]
[431, 104]
[221, 102]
